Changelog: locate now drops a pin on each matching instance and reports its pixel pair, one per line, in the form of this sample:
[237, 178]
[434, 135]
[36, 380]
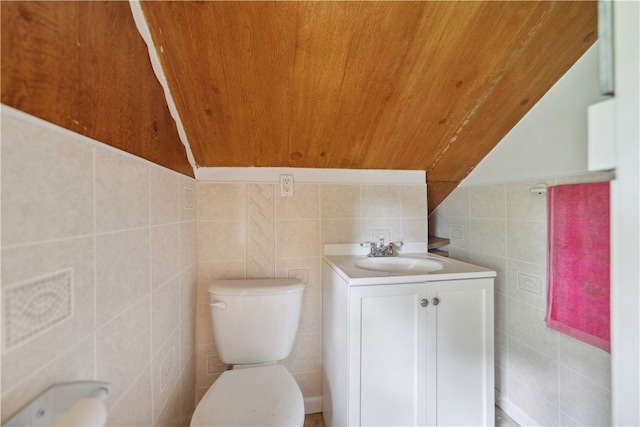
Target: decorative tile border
[167, 368]
[35, 306]
[531, 284]
[261, 231]
[299, 273]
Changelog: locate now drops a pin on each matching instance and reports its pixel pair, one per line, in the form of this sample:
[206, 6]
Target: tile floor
[502, 420]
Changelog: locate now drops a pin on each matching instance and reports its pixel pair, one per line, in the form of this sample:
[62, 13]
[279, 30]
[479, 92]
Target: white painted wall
[625, 219]
[550, 140]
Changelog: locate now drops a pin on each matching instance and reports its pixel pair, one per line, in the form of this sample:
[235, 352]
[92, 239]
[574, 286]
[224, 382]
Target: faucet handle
[367, 244]
[393, 246]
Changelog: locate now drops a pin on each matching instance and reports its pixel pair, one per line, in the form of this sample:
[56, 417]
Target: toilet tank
[255, 320]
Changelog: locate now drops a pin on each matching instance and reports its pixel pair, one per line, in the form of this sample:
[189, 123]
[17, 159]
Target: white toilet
[254, 325]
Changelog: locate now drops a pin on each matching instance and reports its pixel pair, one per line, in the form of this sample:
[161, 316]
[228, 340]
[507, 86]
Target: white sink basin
[399, 265]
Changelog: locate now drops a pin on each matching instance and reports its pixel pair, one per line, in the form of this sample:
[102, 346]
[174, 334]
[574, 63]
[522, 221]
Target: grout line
[95, 268]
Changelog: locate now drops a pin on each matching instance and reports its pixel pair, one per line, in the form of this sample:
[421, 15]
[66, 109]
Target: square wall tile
[165, 253]
[210, 271]
[188, 290]
[44, 313]
[437, 223]
[458, 231]
[134, 406]
[413, 230]
[209, 367]
[169, 414]
[460, 254]
[522, 204]
[187, 394]
[304, 204]
[164, 196]
[487, 201]
[297, 238]
[47, 184]
[527, 283]
[586, 360]
[533, 368]
[380, 201]
[527, 324]
[188, 244]
[527, 241]
[306, 355]
[164, 313]
[340, 201]
[124, 348]
[218, 201]
[495, 263]
[583, 400]
[488, 236]
[188, 198]
[413, 201]
[311, 314]
[538, 406]
[122, 271]
[188, 339]
[221, 240]
[309, 268]
[165, 374]
[375, 228]
[341, 231]
[457, 204]
[122, 191]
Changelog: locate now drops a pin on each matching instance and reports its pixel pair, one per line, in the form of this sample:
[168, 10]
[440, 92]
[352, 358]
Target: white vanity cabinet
[407, 354]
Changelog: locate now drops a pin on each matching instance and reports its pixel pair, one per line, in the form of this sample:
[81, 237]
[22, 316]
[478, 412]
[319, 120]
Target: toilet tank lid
[255, 286]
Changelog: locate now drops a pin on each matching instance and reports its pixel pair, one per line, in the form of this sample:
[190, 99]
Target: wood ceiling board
[456, 73]
[373, 85]
[229, 66]
[83, 66]
[550, 52]
[320, 66]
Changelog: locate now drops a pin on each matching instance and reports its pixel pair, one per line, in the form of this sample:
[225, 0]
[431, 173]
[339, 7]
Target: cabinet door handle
[424, 302]
[435, 301]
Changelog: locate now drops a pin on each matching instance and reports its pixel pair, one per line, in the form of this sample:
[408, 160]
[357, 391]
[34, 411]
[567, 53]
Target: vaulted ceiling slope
[84, 66]
[428, 86]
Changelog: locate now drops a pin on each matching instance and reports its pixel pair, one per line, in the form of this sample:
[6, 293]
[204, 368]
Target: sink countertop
[342, 258]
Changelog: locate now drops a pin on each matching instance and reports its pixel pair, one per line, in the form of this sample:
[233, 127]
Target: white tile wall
[554, 379]
[120, 224]
[316, 214]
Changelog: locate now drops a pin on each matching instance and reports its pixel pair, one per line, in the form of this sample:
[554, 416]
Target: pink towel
[578, 262]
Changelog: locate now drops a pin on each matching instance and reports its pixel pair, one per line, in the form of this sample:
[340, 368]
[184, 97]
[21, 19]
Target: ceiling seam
[516, 54]
[145, 33]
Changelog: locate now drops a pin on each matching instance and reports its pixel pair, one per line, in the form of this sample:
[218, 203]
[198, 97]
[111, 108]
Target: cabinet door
[460, 353]
[388, 355]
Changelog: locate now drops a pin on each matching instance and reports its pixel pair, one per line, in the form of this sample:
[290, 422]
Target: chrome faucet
[381, 249]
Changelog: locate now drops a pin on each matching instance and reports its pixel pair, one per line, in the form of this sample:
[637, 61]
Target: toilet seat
[262, 396]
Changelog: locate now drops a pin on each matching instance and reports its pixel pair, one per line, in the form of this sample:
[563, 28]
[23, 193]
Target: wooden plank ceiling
[84, 66]
[428, 86]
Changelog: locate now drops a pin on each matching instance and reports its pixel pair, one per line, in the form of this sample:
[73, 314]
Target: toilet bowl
[262, 396]
[254, 325]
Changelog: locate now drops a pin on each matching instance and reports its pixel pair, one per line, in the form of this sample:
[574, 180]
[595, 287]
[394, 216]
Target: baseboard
[313, 404]
[514, 411]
